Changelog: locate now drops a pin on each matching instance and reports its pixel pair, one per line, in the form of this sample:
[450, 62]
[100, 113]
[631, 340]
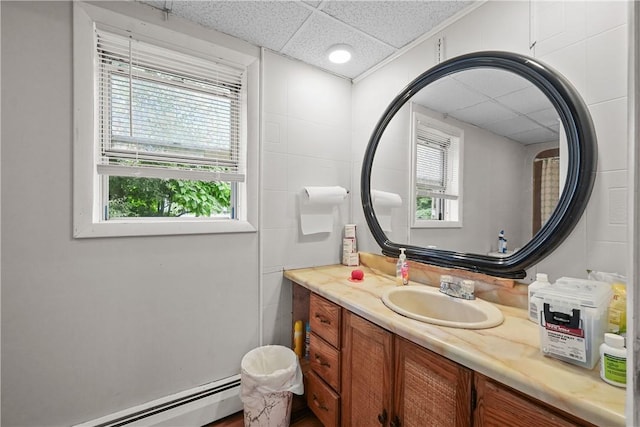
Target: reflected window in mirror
[437, 158]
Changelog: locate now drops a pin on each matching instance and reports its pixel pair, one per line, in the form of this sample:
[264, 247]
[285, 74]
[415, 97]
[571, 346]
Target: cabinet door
[498, 405]
[367, 369]
[430, 390]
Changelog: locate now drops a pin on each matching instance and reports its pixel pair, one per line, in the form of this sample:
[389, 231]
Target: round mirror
[483, 145]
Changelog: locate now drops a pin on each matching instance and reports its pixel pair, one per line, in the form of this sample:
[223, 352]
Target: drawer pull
[395, 422]
[318, 404]
[322, 319]
[322, 362]
[382, 418]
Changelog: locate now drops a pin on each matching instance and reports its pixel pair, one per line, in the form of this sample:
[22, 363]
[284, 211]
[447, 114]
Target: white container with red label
[573, 319]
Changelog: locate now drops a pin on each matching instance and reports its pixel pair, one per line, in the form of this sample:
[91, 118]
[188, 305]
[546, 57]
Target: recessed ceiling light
[340, 53]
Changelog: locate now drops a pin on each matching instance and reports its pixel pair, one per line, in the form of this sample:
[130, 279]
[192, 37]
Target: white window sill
[437, 224]
[161, 227]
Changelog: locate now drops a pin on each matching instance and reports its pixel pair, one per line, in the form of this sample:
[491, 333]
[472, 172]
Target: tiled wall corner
[306, 142]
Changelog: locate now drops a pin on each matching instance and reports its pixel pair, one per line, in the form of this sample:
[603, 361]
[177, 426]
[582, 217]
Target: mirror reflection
[481, 151]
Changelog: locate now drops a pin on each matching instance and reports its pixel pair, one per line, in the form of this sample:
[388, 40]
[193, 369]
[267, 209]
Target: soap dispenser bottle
[502, 243]
[402, 268]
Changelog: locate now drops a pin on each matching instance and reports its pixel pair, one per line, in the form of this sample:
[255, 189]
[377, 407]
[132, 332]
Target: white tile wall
[557, 25]
[306, 141]
[274, 171]
[569, 259]
[607, 65]
[275, 133]
[607, 256]
[607, 209]
[610, 121]
[570, 61]
[503, 18]
[277, 294]
[604, 15]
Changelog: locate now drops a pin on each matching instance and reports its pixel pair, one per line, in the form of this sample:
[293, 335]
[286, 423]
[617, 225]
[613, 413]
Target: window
[436, 173]
[167, 144]
[169, 131]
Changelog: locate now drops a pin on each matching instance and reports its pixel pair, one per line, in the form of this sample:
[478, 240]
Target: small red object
[357, 275]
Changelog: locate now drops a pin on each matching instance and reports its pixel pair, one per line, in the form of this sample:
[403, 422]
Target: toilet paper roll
[325, 195]
[385, 199]
[383, 202]
[317, 208]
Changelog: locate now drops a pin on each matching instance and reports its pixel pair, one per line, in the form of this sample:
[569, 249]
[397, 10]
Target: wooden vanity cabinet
[499, 405]
[367, 373]
[430, 390]
[389, 381]
[363, 375]
[323, 379]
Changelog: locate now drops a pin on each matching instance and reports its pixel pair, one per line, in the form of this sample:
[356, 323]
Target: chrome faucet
[463, 289]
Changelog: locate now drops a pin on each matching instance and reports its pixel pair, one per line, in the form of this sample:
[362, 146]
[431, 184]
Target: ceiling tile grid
[305, 30]
[264, 23]
[396, 23]
[311, 43]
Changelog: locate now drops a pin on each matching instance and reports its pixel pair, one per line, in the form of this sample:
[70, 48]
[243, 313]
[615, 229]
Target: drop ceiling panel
[526, 101]
[492, 82]
[547, 117]
[481, 114]
[263, 23]
[512, 126]
[313, 39]
[396, 23]
[447, 95]
[535, 136]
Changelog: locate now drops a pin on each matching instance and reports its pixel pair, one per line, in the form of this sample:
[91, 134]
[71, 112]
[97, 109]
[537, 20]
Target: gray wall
[97, 325]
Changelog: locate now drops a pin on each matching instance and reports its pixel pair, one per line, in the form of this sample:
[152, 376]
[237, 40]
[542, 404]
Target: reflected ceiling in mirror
[496, 100]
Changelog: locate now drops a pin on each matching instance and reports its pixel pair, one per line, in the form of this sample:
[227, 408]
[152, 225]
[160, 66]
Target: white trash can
[268, 377]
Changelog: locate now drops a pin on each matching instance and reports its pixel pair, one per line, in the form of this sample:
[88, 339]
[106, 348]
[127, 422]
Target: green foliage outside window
[153, 197]
[423, 207]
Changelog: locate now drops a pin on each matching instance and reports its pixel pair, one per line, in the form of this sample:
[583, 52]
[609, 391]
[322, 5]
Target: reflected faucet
[463, 289]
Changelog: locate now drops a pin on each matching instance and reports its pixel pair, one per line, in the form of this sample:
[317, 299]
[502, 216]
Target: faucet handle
[445, 282]
[467, 289]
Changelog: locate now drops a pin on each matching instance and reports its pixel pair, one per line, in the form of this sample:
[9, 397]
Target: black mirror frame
[582, 162]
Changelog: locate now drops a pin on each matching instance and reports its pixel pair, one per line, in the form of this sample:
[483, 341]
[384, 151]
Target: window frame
[451, 207]
[87, 203]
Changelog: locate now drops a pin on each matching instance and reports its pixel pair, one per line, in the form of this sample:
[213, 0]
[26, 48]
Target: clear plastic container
[573, 319]
[542, 281]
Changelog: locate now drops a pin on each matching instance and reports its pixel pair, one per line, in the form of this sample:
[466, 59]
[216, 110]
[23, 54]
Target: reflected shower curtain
[549, 188]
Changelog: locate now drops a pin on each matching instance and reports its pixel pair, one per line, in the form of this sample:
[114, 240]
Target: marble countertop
[508, 353]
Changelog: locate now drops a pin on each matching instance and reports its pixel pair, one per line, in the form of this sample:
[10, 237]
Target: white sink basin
[428, 304]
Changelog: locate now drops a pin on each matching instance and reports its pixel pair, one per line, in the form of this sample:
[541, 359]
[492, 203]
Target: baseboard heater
[194, 407]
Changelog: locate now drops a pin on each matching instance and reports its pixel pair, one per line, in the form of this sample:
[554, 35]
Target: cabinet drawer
[324, 317]
[323, 401]
[325, 361]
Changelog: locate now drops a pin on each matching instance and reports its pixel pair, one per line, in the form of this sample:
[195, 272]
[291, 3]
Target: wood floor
[236, 420]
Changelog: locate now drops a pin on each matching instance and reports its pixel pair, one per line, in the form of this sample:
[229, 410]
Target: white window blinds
[433, 163]
[165, 114]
